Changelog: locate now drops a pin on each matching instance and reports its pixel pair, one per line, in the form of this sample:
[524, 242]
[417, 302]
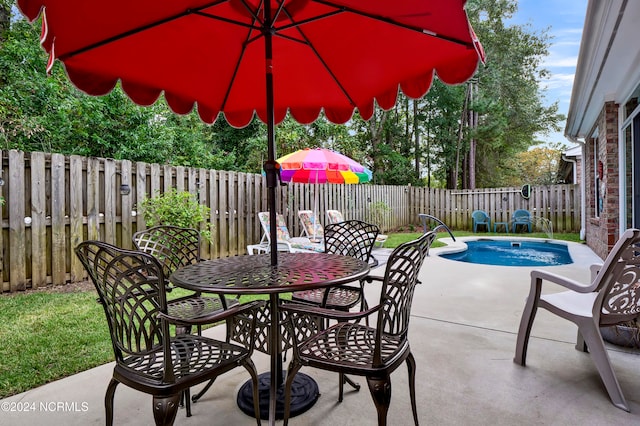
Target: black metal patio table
[256, 275]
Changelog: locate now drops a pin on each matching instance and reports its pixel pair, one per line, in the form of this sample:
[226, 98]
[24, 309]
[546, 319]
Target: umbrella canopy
[264, 57]
[321, 165]
[332, 55]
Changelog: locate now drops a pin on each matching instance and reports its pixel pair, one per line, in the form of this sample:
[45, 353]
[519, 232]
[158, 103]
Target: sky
[564, 20]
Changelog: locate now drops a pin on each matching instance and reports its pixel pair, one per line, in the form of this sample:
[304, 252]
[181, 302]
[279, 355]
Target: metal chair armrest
[299, 308]
[213, 318]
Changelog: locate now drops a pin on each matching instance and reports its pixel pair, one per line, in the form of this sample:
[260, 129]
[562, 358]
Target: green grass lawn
[49, 335]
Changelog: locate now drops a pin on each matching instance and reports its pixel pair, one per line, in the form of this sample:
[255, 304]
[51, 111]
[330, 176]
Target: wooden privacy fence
[54, 202]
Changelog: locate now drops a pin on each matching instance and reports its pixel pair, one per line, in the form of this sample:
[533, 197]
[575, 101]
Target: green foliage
[538, 166]
[378, 213]
[177, 208]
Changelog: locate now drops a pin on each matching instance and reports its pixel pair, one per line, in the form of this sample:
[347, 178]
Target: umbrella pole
[271, 170]
[315, 208]
[276, 378]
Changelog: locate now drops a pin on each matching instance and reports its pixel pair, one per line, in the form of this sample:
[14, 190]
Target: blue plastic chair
[523, 218]
[480, 217]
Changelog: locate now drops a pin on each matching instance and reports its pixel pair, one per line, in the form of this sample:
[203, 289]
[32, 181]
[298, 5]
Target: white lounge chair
[311, 226]
[285, 241]
[335, 216]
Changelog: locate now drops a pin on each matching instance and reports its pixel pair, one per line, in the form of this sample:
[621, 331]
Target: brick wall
[603, 229]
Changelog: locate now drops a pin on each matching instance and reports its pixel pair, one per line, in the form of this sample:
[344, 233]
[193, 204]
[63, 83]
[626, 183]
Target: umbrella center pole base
[304, 394]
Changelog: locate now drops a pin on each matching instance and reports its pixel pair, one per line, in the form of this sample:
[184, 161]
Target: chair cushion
[335, 216]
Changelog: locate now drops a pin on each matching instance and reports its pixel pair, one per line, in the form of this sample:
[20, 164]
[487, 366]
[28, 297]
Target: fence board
[141, 191]
[109, 213]
[223, 234]
[93, 199]
[16, 202]
[38, 219]
[126, 203]
[214, 214]
[76, 216]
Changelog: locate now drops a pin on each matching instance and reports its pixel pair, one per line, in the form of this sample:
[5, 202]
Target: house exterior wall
[602, 183]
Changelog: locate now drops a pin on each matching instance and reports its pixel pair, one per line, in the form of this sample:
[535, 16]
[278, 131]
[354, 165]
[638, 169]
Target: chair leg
[380, 388]
[526, 322]
[294, 367]
[343, 378]
[165, 409]
[598, 352]
[581, 345]
[186, 394]
[411, 367]
[204, 390]
[251, 368]
[108, 401]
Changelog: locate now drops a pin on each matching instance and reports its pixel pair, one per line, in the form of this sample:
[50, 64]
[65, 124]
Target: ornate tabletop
[256, 275]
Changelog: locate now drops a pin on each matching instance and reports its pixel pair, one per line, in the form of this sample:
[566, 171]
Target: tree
[445, 136]
[509, 98]
[538, 166]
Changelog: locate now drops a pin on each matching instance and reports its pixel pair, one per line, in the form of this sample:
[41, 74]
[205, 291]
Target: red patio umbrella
[264, 57]
[246, 57]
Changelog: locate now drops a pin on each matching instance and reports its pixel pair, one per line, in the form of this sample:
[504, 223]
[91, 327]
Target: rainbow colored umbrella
[321, 165]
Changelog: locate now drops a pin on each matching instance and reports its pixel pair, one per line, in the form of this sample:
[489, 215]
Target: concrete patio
[463, 331]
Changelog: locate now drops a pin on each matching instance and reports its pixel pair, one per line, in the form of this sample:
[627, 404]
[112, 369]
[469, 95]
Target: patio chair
[349, 347]
[175, 247]
[611, 298]
[311, 226]
[523, 218]
[350, 238]
[131, 286]
[335, 216]
[285, 241]
[480, 218]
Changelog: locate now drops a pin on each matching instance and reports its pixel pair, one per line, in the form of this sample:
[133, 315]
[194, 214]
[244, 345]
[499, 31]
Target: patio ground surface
[463, 332]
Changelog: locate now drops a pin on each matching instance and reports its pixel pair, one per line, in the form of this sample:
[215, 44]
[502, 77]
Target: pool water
[513, 253]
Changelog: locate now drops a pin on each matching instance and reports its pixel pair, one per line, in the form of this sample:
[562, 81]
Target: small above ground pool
[513, 253]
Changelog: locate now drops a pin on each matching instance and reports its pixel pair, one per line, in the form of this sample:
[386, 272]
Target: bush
[177, 209]
[378, 213]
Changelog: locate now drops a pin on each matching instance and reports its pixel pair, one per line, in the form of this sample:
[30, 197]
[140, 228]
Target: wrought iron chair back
[173, 246]
[398, 286]
[128, 287]
[348, 238]
[351, 238]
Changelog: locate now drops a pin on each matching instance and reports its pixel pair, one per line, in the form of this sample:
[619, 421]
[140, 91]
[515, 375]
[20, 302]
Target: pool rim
[459, 245]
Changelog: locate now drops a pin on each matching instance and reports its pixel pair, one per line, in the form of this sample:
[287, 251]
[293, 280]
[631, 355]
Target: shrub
[378, 213]
[177, 209]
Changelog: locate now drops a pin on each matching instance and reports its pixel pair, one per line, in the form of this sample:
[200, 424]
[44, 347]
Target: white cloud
[559, 61]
